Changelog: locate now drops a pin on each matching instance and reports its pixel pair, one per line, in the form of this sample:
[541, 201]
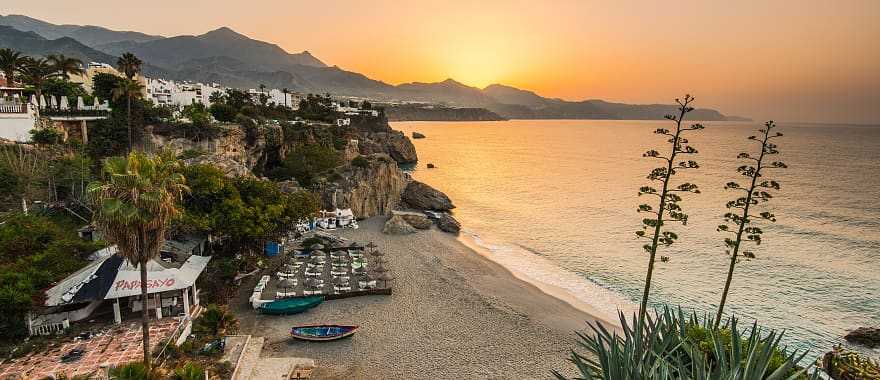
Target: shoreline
[557, 292]
[454, 313]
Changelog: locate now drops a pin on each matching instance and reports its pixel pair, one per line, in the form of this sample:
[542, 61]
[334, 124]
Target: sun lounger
[312, 292]
[367, 284]
[283, 275]
[339, 289]
[285, 295]
[339, 273]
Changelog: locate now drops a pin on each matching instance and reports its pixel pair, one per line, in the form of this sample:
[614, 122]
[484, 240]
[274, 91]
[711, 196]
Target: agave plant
[674, 346]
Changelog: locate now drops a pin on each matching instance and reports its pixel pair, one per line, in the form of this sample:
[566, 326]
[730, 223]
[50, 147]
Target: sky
[805, 60]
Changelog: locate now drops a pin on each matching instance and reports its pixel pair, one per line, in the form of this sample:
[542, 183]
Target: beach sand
[453, 314]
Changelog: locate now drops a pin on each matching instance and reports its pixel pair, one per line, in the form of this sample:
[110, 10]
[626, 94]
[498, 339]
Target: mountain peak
[224, 32]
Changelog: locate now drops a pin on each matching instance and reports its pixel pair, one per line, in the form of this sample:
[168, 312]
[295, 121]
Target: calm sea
[556, 201]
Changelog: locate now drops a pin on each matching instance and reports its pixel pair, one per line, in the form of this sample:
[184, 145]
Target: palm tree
[10, 60]
[285, 91]
[136, 200]
[129, 88]
[36, 71]
[129, 64]
[66, 65]
[262, 94]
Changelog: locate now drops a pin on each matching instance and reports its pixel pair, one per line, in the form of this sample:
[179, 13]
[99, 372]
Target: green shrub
[224, 112]
[214, 322]
[361, 162]
[189, 371]
[131, 371]
[191, 153]
[841, 364]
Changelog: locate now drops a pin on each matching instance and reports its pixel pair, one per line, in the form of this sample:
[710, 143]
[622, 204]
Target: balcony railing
[13, 108]
[73, 112]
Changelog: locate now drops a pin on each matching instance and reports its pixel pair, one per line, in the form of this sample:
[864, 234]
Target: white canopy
[110, 276]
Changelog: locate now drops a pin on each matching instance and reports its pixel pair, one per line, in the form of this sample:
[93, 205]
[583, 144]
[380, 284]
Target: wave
[531, 266]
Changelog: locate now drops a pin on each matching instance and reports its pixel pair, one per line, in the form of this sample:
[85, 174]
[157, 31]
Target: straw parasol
[385, 277]
[316, 247]
[288, 269]
[313, 283]
[380, 260]
[377, 253]
[380, 269]
[317, 260]
[340, 281]
[286, 283]
[339, 253]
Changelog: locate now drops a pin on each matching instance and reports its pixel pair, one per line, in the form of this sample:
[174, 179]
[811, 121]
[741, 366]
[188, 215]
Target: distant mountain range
[232, 59]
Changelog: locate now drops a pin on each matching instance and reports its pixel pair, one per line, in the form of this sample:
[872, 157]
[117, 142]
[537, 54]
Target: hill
[88, 35]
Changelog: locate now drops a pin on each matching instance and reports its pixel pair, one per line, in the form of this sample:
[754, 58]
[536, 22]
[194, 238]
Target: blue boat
[291, 305]
[322, 333]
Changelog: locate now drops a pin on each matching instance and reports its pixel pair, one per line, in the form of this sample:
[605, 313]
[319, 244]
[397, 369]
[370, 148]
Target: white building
[180, 94]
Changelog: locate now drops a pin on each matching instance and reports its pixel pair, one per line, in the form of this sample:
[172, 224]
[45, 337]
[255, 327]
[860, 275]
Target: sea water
[555, 201]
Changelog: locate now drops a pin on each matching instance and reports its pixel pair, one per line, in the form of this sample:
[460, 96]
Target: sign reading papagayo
[151, 284]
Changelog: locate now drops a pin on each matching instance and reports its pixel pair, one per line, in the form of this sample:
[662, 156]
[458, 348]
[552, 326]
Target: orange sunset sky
[787, 60]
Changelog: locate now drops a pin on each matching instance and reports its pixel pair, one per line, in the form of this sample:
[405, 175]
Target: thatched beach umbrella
[355, 245]
[313, 283]
[380, 269]
[316, 247]
[380, 260]
[286, 284]
[288, 269]
[385, 277]
[317, 260]
[377, 253]
[341, 281]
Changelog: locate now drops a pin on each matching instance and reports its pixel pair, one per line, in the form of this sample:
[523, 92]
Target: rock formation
[447, 223]
[397, 225]
[393, 143]
[371, 191]
[417, 135]
[423, 197]
[416, 219]
[865, 336]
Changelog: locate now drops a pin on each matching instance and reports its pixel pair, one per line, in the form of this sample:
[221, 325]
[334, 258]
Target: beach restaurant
[109, 278]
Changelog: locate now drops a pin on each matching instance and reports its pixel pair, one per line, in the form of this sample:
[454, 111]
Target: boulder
[395, 144]
[431, 166]
[447, 223]
[416, 219]
[865, 336]
[423, 197]
[417, 135]
[397, 225]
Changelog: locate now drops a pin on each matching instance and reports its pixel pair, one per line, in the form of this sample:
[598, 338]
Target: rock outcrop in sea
[424, 197]
[368, 191]
[865, 336]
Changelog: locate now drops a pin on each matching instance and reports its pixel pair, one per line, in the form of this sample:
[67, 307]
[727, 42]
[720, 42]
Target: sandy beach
[453, 314]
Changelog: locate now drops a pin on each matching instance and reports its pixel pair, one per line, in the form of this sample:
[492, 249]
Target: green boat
[291, 305]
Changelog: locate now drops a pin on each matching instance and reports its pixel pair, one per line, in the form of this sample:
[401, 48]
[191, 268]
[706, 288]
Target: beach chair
[341, 289]
[284, 295]
[312, 292]
[367, 284]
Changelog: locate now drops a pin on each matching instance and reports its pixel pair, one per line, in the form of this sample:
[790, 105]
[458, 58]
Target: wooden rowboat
[291, 305]
[322, 332]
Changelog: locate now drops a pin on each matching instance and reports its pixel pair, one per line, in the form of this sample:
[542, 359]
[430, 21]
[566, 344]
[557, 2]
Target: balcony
[20, 108]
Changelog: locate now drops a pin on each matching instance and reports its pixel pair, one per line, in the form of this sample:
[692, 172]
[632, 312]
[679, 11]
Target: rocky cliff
[371, 190]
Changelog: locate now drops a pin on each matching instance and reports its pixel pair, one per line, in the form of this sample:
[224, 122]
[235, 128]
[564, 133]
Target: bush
[841, 364]
[131, 371]
[189, 371]
[306, 163]
[224, 112]
[45, 136]
[361, 162]
[673, 346]
[214, 322]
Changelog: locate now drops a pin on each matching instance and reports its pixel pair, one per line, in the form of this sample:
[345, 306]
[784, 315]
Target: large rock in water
[447, 223]
[367, 191]
[423, 197]
[865, 336]
[397, 225]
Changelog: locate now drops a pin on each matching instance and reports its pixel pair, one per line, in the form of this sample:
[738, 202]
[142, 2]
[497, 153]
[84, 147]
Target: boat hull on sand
[322, 333]
[289, 306]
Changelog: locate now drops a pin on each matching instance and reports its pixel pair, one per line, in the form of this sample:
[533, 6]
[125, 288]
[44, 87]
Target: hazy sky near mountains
[804, 60]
